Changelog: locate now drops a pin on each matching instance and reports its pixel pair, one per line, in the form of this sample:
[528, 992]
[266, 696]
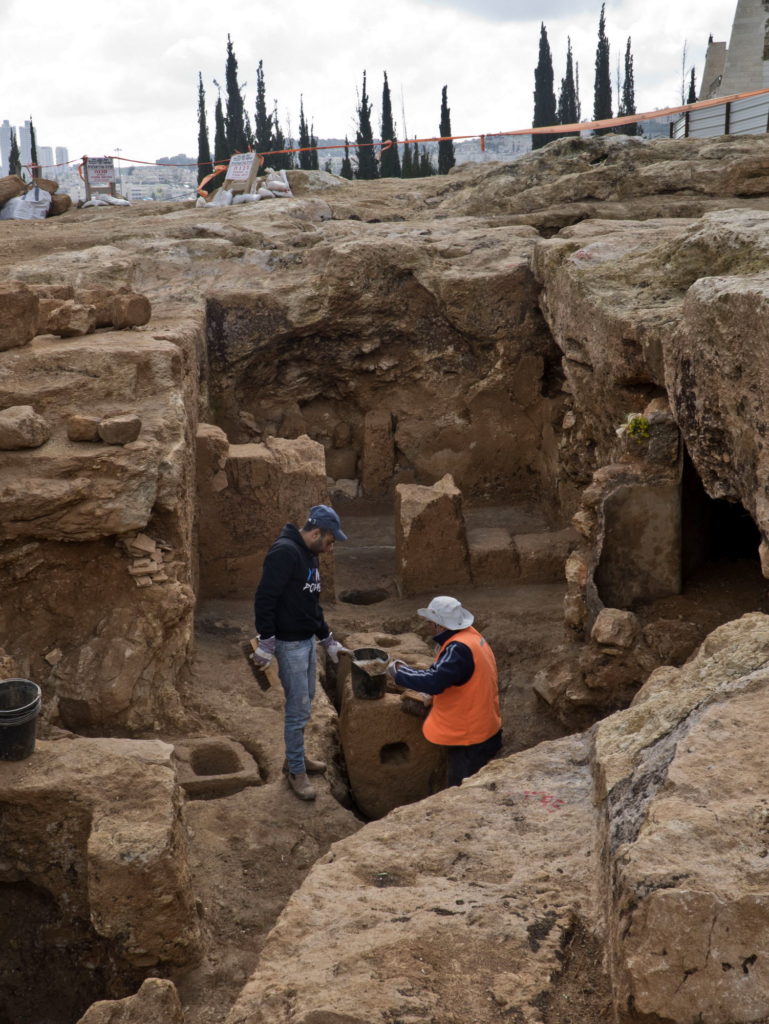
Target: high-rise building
[62, 156]
[25, 143]
[45, 159]
[5, 146]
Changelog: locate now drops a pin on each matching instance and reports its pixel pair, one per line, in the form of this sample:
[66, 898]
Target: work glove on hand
[394, 667]
[333, 648]
[263, 654]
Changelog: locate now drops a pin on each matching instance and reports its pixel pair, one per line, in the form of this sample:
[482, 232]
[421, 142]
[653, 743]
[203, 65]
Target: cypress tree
[602, 89]
[247, 130]
[346, 169]
[576, 89]
[567, 99]
[280, 161]
[692, 97]
[262, 120]
[305, 141]
[390, 162]
[14, 157]
[446, 158]
[33, 148]
[236, 135]
[314, 151]
[407, 166]
[425, 164]
[204, 149]
[221, 152]
[544, 97]
[627, 105]
[415, 159]
[364, 137]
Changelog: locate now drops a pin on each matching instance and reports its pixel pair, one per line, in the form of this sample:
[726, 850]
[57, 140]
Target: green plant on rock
[636, 426]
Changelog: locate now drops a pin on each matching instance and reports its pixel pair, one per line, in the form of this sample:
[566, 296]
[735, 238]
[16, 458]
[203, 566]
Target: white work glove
[333, 648]
[263, 654]
[394, 667]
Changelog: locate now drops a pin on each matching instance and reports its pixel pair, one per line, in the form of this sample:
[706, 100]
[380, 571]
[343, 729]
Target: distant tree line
[373, 158]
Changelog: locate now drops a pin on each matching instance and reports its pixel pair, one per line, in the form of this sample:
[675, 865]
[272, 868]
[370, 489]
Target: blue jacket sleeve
[453, 668]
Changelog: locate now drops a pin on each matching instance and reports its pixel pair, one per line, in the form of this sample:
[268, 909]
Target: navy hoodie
[287, 601]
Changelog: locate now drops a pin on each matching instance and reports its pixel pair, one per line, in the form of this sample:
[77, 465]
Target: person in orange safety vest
[464, 716]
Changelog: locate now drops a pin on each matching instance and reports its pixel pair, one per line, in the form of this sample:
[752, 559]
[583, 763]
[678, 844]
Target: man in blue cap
[288, 618]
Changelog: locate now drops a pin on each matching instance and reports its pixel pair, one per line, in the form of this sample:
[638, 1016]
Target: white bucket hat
[448, 612]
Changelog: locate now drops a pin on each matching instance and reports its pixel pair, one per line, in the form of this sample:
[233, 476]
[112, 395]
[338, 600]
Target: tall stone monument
[743, 66]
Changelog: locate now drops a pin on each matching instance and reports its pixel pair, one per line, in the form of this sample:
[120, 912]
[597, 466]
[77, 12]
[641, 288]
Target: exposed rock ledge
[483, 903]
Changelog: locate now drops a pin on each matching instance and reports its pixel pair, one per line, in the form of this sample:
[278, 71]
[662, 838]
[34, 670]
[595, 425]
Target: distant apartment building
[45, 159]
[5, 146]
[25, 143]
[62, 156]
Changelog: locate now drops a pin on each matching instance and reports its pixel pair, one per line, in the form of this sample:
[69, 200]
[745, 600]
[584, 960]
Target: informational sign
[100, 171]
[240, 166]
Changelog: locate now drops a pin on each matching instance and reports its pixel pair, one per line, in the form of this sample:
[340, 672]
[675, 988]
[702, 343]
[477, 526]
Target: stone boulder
[157, 1000]
[123, 836]
[65, 318]
[18, 314]
[681, 777]
[21, 427]
[430, 540]
[615, 628]
[122, 429]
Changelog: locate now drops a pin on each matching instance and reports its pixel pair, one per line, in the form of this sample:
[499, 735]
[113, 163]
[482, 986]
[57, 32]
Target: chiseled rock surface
[682, 777]
[124, 649]
[714, 369]
[95, 822]
[462, 908]
[246, 494]
[71, 492]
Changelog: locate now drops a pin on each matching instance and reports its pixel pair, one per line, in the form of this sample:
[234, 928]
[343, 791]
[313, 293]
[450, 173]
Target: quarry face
[537, 386]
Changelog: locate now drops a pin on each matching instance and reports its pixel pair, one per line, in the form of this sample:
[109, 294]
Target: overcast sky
[97, 77]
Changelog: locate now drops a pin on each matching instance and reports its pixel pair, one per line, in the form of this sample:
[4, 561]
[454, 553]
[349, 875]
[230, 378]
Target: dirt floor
[250, 851]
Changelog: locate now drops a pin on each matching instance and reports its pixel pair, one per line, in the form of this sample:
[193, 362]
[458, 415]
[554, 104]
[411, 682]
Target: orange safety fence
[220, 166]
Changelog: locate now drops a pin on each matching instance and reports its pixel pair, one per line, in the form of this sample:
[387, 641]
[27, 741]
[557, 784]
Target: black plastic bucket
[19, 706]
[369, 682]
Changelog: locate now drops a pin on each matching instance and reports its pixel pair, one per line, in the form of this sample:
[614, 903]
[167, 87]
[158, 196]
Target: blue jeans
[296, 666]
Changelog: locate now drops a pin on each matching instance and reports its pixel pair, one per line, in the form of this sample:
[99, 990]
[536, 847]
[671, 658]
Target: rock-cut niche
[669, 537]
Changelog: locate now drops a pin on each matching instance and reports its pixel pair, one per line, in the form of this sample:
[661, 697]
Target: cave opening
[53, 969]
[713, 529]
[720, 562]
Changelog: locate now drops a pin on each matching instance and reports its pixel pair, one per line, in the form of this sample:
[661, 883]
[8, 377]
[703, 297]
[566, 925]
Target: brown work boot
[301, 786]
[309, 766]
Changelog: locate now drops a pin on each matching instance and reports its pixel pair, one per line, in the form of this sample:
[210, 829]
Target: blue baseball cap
[325, 518]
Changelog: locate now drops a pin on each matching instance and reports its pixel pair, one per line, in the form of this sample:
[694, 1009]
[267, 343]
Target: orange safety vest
[469, 713]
